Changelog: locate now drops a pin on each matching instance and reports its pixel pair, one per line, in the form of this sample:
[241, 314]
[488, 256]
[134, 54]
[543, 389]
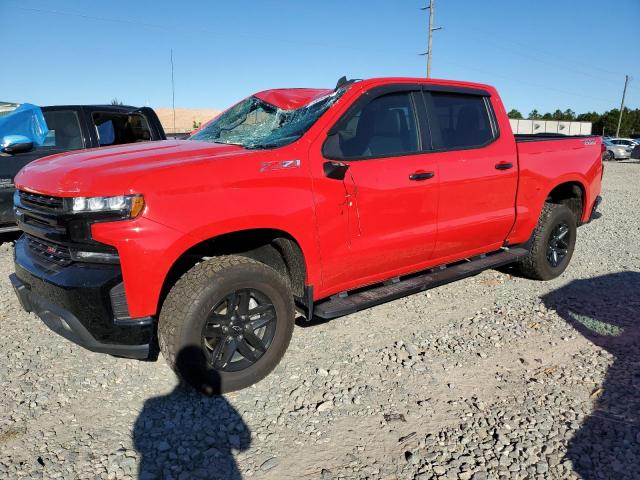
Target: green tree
[547, 116]
[534, 115]
[592, 117]
[569, 115]
[557, 115]
[115, 101]
[515, 114]
[196, 125]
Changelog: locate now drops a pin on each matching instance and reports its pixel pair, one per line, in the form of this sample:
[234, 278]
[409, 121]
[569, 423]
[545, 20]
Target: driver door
[379, 219]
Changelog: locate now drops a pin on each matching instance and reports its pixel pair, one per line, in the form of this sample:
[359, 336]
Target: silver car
[615, 152]
[629, 142]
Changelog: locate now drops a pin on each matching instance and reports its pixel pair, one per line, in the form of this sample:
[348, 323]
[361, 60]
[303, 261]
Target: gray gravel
[491, 377]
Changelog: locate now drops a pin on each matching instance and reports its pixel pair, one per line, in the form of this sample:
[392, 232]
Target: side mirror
[335, 170]
[15, 144]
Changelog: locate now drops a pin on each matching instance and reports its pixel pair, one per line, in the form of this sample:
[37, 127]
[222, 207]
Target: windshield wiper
[259, 146]
[229, 143]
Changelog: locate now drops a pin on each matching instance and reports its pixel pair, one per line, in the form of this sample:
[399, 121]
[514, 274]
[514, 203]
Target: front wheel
[608, 156]
[226, 323]
[552, 243]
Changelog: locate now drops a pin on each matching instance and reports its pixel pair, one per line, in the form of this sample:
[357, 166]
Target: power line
[546, 53]
[299, 41]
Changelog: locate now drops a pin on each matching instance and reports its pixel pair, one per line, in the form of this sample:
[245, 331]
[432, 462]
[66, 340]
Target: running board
[344, 304]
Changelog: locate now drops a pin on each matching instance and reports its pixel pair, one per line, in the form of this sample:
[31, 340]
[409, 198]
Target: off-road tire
[535, 265]
[184, 314]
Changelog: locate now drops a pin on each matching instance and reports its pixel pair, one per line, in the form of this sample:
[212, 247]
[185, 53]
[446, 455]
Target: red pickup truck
[322, 201]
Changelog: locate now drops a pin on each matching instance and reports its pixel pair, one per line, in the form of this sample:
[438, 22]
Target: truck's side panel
[546, 164]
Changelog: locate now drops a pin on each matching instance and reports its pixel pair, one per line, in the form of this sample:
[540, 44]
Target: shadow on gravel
[9, 237]
[606, 310]
[186, 434]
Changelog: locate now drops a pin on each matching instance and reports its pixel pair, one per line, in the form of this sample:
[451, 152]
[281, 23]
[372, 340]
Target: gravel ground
[491, 377]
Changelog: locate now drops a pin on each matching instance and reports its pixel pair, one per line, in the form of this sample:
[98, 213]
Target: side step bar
[344, 304]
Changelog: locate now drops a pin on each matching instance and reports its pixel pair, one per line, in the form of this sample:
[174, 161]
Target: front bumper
[77, 302]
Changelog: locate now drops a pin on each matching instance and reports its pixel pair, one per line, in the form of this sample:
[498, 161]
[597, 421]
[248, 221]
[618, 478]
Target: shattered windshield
[254, 123]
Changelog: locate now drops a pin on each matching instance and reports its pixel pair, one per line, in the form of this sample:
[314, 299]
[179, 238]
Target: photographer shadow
[606, 311]
[186, 434]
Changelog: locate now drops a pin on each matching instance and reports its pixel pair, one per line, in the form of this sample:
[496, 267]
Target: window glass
[385, 126]
[461, 121]
[255, 123]
[120, 128]
[64, 130]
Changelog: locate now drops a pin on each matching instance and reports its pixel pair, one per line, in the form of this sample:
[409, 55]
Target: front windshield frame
[272, 127]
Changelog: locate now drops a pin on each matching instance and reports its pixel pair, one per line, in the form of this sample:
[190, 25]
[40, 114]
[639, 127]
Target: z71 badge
[279, 165]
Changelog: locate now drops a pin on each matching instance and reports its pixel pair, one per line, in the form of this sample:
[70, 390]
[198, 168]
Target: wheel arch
[571, 193]
[273, 247]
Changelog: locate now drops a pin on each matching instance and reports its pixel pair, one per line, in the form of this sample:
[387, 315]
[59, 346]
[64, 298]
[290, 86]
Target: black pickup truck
[75, 127]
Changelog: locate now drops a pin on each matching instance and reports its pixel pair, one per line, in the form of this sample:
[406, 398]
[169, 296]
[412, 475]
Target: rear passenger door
[478, 171]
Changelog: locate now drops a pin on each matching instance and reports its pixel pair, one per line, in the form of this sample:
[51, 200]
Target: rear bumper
[75, 302]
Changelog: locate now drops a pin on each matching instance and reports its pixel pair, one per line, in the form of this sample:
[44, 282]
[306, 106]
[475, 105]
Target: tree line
[603, 123]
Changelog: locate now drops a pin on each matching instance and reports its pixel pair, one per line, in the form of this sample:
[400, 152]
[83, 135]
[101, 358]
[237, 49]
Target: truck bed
[535, 137]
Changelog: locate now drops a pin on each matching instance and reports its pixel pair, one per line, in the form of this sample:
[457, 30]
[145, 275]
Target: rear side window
[384, 127]
[459, 121]
[64, 130]
[119, 128]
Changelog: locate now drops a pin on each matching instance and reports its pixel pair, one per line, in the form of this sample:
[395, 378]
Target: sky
[539, 54]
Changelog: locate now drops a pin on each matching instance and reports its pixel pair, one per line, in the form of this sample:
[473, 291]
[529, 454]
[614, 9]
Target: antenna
[173, 94]
[431, 7]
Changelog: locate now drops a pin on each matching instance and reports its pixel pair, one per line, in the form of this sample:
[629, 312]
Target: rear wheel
[552, 243]
[226, 323]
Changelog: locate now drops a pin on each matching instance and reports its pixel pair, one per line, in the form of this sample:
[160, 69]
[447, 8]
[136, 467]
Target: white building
[550, 126]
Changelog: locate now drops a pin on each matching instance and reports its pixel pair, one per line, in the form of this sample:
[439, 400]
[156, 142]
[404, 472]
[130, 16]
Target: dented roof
[292, 98]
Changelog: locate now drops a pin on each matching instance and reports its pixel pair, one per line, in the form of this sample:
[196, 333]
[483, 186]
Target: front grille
[41, 201]
[51, 252]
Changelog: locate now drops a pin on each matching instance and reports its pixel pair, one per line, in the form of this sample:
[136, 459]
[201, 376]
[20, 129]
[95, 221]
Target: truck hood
[112, 170]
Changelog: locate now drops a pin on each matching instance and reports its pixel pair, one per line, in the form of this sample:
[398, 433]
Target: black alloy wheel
[226, 323]
[239, 330]
[558, 245]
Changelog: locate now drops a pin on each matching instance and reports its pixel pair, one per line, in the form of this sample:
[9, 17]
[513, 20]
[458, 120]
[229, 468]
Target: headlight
[129, 205]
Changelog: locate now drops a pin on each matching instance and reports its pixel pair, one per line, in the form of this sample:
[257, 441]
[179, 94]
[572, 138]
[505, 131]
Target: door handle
[419, 176]
[504, 165]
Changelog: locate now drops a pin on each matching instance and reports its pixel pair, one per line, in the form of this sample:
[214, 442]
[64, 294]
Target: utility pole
[431, 8]
[624, 93]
